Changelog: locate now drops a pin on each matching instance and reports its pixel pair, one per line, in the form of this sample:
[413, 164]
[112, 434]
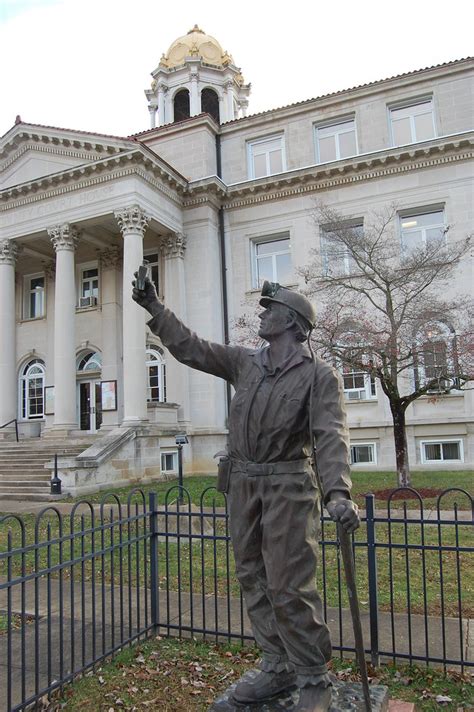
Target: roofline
[23, 125]
[176, 125]
[341, 92]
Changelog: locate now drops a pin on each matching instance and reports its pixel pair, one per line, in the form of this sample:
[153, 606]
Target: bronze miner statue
[269, 475]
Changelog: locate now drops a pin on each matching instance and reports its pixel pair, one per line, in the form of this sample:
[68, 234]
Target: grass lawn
[172, 675]
[400, 570]
[363, 483]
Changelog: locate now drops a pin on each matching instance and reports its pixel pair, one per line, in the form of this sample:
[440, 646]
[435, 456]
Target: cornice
[51, 150]
[40, 137]
[355, 170]
[84, 176]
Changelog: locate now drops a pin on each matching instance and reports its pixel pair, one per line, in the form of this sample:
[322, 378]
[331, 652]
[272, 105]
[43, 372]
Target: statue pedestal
[346, 697]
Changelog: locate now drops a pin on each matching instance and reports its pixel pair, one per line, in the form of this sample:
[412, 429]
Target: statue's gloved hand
[343, 510]
[146, 298]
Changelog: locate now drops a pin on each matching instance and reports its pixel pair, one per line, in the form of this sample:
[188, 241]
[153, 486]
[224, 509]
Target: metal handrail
[9, 423]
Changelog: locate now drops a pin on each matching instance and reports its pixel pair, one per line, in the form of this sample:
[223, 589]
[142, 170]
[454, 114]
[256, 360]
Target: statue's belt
[256, 469]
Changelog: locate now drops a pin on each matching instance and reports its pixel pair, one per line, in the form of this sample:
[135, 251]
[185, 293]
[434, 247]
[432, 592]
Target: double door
[90, 406]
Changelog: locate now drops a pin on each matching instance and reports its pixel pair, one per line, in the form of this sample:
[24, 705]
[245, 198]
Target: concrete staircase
[22, 465]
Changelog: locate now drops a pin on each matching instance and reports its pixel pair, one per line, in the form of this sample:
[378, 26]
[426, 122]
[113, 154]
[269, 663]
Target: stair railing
[9, 423]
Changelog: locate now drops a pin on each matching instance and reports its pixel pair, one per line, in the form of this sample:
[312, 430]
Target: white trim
[441, 441]
[406, 104]
[334, 124]
[27, 279]
[174, 453]
[265, 239]
[261, 140]
[371, 444]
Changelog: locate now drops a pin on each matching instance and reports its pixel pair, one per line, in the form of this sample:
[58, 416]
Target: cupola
[196, 76]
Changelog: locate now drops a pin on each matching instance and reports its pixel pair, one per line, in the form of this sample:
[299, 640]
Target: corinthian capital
[173, 245]
[8, 252]
[63, 237]
[132, 219]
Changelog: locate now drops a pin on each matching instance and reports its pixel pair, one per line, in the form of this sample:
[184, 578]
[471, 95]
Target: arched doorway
[89, 403]
[181, 105]
[210, 103]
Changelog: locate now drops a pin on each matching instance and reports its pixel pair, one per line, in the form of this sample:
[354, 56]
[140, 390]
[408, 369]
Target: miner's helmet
[273, 292]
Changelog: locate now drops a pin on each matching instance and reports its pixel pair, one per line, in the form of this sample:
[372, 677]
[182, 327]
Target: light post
[180, 440]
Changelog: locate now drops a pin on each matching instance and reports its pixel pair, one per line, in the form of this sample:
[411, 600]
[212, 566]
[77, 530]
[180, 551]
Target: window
[435, 347]
[412, 123]
[169, 462]
[362, 453]
[266, 156]
[156, 375]
[153, 269]
[335, 255]
[421, 228]
[210, 103]
[89, 361]
[88, 286]
[441, 451]
[358, 385]
[272, 261]
[336, 141]
[33, 296]
[181, 105]
[32, 390]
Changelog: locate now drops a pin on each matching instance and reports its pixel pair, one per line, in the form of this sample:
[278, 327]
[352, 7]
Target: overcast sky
[84, 64]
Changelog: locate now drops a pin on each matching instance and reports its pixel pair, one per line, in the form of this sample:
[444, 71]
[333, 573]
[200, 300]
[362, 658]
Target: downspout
[225, 306]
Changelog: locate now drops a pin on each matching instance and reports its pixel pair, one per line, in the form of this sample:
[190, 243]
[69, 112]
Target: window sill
[162, 404]
[258, 290]
[361, 400]
[29, 319]
[96, 307]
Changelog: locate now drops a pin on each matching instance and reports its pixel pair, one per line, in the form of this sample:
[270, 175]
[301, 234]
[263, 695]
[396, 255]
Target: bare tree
[385, 310]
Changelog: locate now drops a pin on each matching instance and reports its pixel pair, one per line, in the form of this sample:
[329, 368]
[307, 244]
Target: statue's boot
[313, 698]
[263, 686]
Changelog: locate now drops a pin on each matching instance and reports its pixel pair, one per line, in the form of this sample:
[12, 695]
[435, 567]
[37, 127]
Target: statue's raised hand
[147, 297]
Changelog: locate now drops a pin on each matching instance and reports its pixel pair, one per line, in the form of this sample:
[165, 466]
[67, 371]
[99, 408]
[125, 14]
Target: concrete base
[347, 697]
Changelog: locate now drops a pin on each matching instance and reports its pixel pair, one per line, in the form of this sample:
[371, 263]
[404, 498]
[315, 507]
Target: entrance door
[90, 406]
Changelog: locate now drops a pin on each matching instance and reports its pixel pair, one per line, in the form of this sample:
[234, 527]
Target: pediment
[29, 152]
[33, 164]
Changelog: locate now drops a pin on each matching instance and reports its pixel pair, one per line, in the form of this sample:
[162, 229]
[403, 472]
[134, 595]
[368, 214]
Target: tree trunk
[401, 445]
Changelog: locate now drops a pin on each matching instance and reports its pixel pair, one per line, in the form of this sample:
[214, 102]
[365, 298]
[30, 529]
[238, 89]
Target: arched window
[181, 105]
[32, 390]
[435, 349]
[210, 103]
[156, 375]
[89, 361]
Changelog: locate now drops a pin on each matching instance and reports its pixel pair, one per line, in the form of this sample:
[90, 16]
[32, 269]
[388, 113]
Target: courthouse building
[215, 200]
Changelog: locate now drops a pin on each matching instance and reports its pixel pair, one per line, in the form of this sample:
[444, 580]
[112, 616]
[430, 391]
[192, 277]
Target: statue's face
[274, 320]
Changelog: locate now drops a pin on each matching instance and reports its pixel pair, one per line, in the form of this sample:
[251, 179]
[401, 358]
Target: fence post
[154, 583]
[372, 580]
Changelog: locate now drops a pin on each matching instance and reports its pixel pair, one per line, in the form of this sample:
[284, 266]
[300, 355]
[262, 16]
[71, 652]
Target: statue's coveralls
[274, 502]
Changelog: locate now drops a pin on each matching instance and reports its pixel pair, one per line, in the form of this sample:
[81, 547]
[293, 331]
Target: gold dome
[196, 44]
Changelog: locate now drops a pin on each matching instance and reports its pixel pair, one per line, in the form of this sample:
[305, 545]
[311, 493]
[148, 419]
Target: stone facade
[80, 211]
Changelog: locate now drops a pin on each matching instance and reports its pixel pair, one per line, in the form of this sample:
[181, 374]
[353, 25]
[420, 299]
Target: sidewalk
[87, 620]
[19, 507]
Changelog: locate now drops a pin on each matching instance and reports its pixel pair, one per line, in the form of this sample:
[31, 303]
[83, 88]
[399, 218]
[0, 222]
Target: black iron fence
[76, 588]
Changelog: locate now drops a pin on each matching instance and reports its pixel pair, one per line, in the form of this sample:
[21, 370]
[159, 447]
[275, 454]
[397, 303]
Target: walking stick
[347, 558]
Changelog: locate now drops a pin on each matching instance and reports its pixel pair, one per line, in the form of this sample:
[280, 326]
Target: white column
[194, 98]
[64, 239]
[230, 101]
[152, 109]
[162, 89]
[8, 379]
[133, 222]
[177, 387]
[111, 327]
